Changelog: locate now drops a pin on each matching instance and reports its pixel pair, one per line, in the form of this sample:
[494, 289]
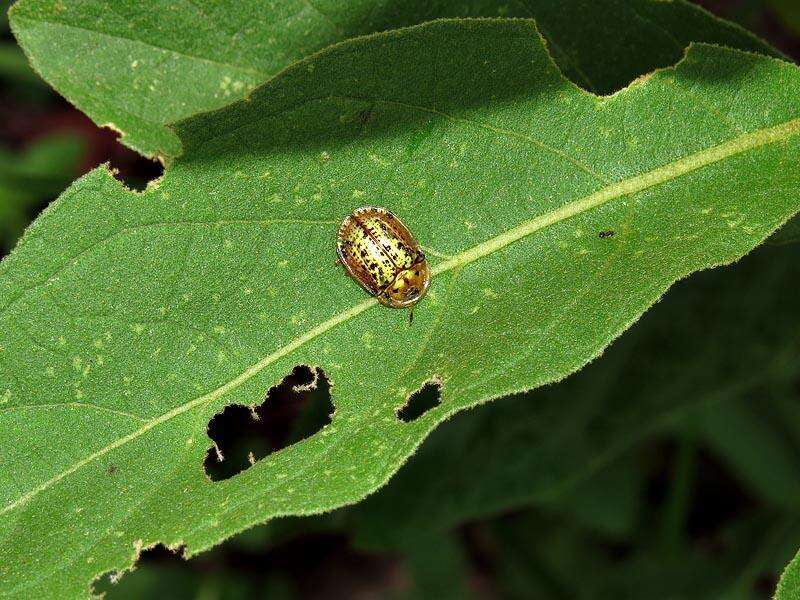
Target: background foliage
[668, 469]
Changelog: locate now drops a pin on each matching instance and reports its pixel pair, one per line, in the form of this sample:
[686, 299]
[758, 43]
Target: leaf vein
[494, 129]
[24, 293]
[89, 405]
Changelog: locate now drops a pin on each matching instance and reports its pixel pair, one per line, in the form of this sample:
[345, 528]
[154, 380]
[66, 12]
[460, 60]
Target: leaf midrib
[626, 187]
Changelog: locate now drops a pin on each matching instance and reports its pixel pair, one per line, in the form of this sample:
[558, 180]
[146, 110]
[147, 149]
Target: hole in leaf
[295, 409]
[134, 171]
[160, 553]
[157, 554]
[293, 561]
[427, 397]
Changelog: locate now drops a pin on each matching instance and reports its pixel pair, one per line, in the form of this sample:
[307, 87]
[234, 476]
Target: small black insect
[365, 116]
[606, 234]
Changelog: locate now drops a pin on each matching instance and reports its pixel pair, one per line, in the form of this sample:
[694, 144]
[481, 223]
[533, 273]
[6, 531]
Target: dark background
[670, 468]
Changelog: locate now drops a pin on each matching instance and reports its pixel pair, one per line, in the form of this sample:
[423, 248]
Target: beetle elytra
[379, 252]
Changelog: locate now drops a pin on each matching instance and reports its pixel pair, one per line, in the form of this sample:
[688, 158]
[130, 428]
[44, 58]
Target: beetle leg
[410, 316]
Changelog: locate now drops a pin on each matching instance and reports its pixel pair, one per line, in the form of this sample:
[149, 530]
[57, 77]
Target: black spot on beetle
[606, 234]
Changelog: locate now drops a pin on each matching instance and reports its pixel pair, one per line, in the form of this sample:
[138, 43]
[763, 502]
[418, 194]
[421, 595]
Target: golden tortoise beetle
[379, 252]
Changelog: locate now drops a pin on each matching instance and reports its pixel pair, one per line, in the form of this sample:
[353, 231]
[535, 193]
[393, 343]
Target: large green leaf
[129, 320]
[136, 66]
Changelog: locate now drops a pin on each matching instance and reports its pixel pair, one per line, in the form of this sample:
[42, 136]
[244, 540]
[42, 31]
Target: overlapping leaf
[129, 320]
[137, 66]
